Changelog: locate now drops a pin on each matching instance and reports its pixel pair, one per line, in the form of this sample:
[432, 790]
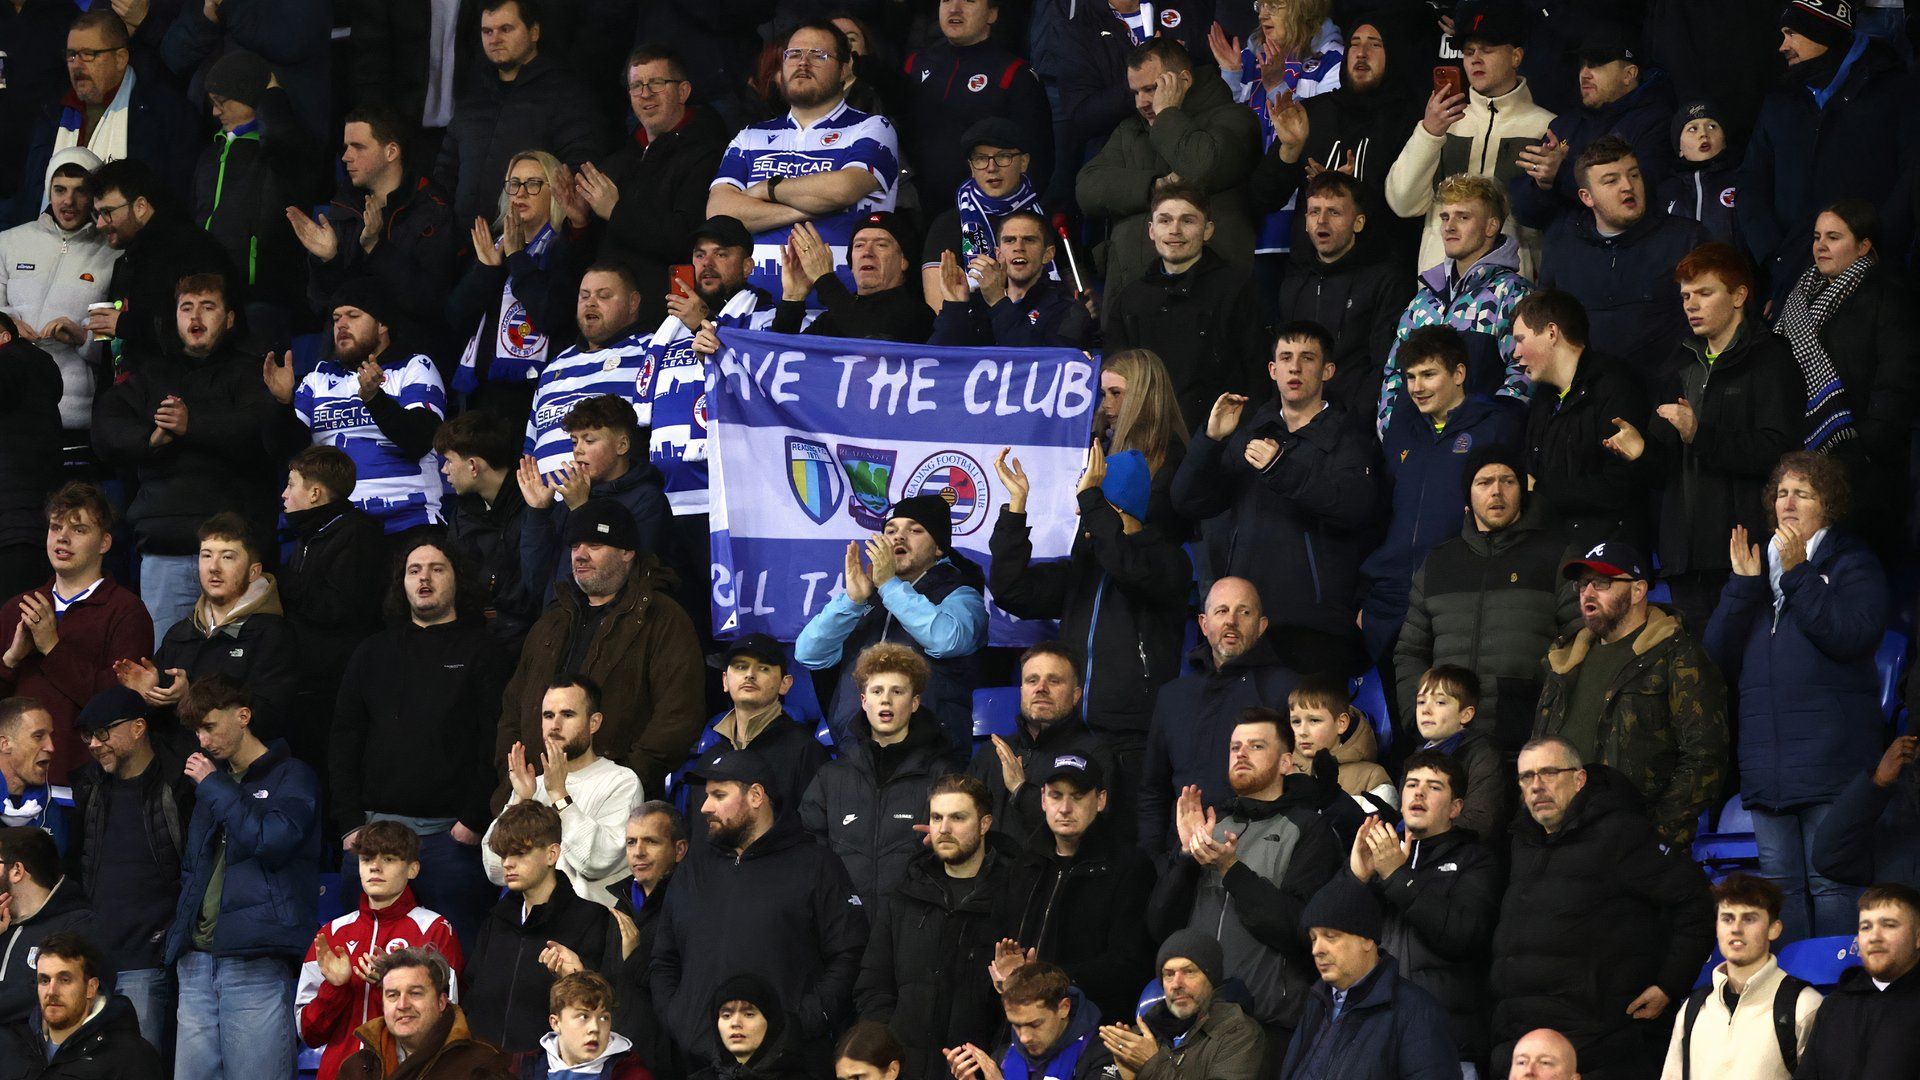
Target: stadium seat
[996, 711]
[1728, 844]
[1370, 698]
[1149, 995]
[1706, 969]
[1892, 662]
[332, 901]
[1820, 960]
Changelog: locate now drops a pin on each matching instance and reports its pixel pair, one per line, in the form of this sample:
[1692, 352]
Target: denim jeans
[236, 1018]
[452, 882]
[1815, 906]
[154, 993]
[169, 584]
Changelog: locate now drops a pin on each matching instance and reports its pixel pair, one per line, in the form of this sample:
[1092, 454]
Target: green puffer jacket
[1665, 726]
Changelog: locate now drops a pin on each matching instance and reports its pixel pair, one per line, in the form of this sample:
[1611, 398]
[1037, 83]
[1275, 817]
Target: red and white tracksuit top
[329, 1014]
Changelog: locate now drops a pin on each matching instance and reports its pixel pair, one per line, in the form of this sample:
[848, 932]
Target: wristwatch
[772, 185]
[563, 802]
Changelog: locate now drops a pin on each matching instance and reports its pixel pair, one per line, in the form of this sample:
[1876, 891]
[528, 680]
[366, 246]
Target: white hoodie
[557, 1066]
[48, 273]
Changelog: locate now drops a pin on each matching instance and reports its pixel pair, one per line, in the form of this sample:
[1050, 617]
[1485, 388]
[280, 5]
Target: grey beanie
[1198, 947]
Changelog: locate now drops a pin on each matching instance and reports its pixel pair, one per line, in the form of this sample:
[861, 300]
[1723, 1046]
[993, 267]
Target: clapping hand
[372, 377]
[36, 614]
[1682, 417]
[574, 485]
[485, 252]
[520, 772]
[1225, 415]
[1013, 771]
[880, 560]
[315, 234]
[1792, 546]
[1626, 440]
[954, 287]
[1096, 471]
[1385, 850]
[277, 374]
[1131, 1047]
[534, 487]
[1008, 957]
[601, 193]
[859, 584]
[1744, 557]
[969, 1062]
[336, 965]
[560, 960]
[1014, 479]
[1261, 453]
[1226, 50]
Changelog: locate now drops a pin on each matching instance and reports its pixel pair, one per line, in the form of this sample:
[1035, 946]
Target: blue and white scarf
[519, 348]
[980, 212]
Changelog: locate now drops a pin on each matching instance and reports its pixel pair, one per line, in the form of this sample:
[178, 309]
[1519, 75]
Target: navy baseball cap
[1614, 558]
[741, 766]
[1081, 771]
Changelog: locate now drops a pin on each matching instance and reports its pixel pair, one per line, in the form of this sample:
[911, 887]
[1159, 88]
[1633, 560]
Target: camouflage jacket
[1665, 725]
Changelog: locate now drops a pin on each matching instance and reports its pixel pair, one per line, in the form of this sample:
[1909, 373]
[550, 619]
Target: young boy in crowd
[605, 433]
[336, 993]
[1752, 1020]
[582, 1042]
[1321, 713]
[1704, 178]
[1444, 707]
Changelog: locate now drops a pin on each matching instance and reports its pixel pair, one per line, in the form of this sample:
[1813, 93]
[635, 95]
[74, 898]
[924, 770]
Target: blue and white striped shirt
[398, 491]
[623, 368]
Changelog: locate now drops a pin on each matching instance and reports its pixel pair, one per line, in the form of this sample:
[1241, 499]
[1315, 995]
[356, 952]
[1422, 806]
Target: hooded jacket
[1491, 603]
[1625, 282]
[783, 908]
[1863, 1032]
[65, 911]
[1809, 690]
[505, 986]
[1287, 852]
[925, 968]
[1479, 305]
[1087, 912]
[1426, 503]
[1390, 1027]
[779, 1056]
[865, 814]
[1749, 407]
[1210, 140]
[1705, 191]
[647, 661]
[618, 1061]
[1485, 141]
[264, 830]
[663, 188]
[327, 1015]
[1586, 490]
[48, 273]
[1193, 721]
[242, 185]
[1594, 914]
[545, 107]
[252, 644]
[452, 1052]
[1805, 156]
[1297, 529]
[106, 1046]
[1358, 298]
[1207, 323]
[1665, 726]
[1082, 1031]
[224, 462]
[1120, 599]
[1440, 910]
[1642, 117]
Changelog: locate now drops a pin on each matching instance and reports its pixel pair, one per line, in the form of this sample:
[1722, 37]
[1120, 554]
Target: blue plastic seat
[1150, 995]
[1735, 818]
[1370, 698]
[996, 711]
[1891, 659]
[332, 902]
[1820, 960]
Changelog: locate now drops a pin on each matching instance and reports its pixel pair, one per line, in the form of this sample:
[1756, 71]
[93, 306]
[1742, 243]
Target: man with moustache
[1633, 690]
[1439, 889]
[824, 162]
[409, 735]
[1246, 873]
[753, 675]
[790, 914]
[1048, 726]
[1868, 1028]
[1190, 1033]
[930, 970]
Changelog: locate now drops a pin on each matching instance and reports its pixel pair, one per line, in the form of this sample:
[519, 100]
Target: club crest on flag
[869, 477]
[959, 480]
[813, 478]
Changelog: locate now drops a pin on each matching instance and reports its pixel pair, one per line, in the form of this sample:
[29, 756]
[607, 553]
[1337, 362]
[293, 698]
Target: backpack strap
[1695, 1001]
[1786, 1002]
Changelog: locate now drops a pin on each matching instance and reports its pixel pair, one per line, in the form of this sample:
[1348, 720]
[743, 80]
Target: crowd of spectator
[1503, 472]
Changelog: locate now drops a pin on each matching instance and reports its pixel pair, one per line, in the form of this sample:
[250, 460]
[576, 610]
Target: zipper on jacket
[1313, 567]
[1486, 141]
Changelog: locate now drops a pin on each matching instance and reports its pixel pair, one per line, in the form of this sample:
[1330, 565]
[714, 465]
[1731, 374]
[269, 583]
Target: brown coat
[452, 1053]
[646, 658]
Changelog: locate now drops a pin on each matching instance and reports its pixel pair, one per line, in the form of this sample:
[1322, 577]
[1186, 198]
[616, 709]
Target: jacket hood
[757, 990]
[72, 155]
[112, 1013]
[617, 1044]
[1359, 743]
[261, 598]
[1660, 626]
[1083, 1020]
[66, 898]
[1504, 258]
[1296, 790]
[1607, 792]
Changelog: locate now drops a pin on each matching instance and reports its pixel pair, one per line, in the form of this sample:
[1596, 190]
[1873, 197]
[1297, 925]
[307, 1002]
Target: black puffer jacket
[1750, 407]
[30, 435]
[106, 1047]
[169, 248]
[1298, 530]
[663, 197]
[1587, 491]
[1206, 323]
[332, 588]
[925, 970]
[1492, 603]
[1440, 910]
[490, 535]
[864, 811]
[1087, 912]
[545, 107]
[1136, 586]
[1594, 914]
[1021, 816]
[504, 986]
[1864, 1032]
[221, 464]
[1358, 298]
[1625, 281]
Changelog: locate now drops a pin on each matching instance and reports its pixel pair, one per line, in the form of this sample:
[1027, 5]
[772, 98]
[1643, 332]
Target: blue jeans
[1815, 906]
[452, 882]
[154, 994]
[169, 584]
[236, 1018]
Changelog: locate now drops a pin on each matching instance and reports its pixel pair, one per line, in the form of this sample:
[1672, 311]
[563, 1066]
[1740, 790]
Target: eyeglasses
[1004, 159]
[1270, 5]
[531, 187]
[1549, 774]
[818, 56]
[101, 734]
[650, 87]
[1603, 584]
[88, 56]
[105, 213]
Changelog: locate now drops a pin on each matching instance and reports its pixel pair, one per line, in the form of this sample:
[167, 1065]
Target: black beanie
[930, 512]
[1197, 947]
[1829, 22]
[756, 991]
[1701, 109]
[239, 76]
[370, 297]
[1487, 454]
[1343, 904]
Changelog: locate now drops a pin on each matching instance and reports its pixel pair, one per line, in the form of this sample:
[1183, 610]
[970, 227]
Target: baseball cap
[1489, 25]
[1614, 558]
[1082, 772]
[762, 647]
[727, 764]
[109, 706]
[725, 230]
[1603, 43]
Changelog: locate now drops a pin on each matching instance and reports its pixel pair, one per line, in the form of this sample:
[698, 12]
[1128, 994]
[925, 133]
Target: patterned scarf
[1813, 300]
[979, 211]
